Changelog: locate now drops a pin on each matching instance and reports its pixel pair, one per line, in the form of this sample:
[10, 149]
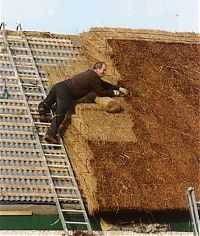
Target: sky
[76, 16]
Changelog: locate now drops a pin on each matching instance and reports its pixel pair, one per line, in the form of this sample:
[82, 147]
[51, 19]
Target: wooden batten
[16, 213]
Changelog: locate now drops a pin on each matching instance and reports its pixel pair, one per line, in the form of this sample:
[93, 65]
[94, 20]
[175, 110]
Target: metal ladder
[71, 206]
[193, 209]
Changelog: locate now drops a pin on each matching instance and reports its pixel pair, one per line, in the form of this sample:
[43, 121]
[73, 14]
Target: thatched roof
[154, 171]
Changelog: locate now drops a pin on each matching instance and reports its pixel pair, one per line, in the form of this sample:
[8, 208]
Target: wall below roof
[35, 208]
[105, 233]
[40, 222]
[50, 222]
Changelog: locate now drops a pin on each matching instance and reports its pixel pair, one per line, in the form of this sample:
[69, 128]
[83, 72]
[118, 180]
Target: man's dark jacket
[88, 81]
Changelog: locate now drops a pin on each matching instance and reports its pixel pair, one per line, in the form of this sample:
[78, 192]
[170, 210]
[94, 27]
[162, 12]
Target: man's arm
[102, 88]
[109, 86]
[105, 89]
[118, 91]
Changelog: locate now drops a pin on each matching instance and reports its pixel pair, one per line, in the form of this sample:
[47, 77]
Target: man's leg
[44, 107]
[63, 103]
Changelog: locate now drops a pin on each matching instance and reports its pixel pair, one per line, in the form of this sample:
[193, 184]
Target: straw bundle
[108, 104]
[95, 124]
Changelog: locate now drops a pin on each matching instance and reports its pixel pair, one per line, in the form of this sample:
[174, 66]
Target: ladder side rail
[33, 62]
[193, 211]
[62, 144]
[36, 136]
[196, 211]
[192, 216]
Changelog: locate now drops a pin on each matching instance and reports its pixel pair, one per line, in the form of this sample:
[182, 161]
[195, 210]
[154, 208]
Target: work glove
[116, 93]
[124, 91]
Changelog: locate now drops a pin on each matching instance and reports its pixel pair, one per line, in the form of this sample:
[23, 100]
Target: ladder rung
[71, 210]
[53, 151]
[15, 93]
[36, 41]
[35, 94]
[12, 101]
[17, 141]
[14, 115]
[17, 48]
[33, 168]
[24, 186]
[22, 56]
[33, 102]
[20, 150]
[7, 69]
[76, 222]
[52, 57]
[26, 71]
[42, 124]
[14, 107]
[29, 159]
[31, 85]
[65, 187]
[62, 176]
[58, 166]
[54, 155]
[33, 78]
[10, 85]
[22, 63]
[69, 199]
[28, 78]
[16, 132]
[23, 177]
[51, 145]
[16, 124]
[53, 50]
[26, 75]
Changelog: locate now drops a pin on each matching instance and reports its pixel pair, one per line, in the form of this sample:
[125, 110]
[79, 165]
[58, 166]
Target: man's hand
[124, 91]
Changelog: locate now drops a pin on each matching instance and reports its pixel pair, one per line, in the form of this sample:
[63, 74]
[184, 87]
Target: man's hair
[98, 65]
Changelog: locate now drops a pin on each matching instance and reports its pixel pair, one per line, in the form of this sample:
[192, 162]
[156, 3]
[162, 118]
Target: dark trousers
[60, 96]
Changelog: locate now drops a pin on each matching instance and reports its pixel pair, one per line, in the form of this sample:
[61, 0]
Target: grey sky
[75, 16]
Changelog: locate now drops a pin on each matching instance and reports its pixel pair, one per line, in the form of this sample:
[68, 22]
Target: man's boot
[51, 138]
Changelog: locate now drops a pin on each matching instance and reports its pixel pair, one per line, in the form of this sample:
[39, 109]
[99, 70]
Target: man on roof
[63, 93]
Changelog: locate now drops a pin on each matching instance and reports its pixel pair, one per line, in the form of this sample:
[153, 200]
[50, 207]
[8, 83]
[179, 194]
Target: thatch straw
[165, 113]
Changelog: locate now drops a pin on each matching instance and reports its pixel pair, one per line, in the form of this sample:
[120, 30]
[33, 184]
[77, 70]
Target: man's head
[100, 68]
